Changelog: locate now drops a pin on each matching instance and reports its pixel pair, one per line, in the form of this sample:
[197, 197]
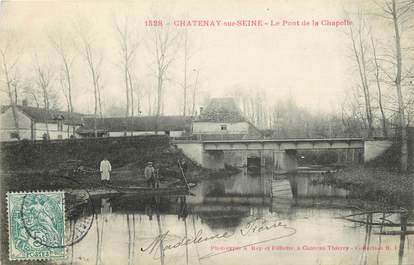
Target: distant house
[37, 123]
[173, 126]
[223, 118]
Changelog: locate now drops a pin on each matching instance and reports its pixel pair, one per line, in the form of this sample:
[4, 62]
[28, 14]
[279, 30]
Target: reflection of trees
[131, 238]
[152, 206]
[157, 211]
[182, 212]
[98, 241]
[379, 237]
[385, 222]
[194, 230]
[72, 224]
[403, 221]
[139, 204]
[367, 240]
[100, 220]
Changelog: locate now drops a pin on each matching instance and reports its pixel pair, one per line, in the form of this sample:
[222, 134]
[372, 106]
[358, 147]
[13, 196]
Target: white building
[223, 119]
[174, 126]
[37, 123]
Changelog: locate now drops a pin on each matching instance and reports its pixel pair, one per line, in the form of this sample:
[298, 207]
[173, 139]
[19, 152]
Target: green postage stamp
[36, 225]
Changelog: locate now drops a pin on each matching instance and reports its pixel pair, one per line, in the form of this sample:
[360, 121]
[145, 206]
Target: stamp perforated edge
[8, 222]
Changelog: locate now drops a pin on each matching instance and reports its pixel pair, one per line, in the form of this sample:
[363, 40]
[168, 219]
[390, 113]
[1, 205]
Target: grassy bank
[89, 151]
[377, 184]
[28, 166]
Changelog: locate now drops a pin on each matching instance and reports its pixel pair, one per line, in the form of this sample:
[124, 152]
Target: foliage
[377, 184]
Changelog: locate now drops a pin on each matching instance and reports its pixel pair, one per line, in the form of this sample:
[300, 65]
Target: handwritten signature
[163, 242]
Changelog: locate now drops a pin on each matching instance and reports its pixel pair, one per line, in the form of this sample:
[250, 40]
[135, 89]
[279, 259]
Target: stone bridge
[210, 153]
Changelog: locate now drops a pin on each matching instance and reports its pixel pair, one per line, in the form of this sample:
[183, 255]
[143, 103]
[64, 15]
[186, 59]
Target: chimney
[24, 102]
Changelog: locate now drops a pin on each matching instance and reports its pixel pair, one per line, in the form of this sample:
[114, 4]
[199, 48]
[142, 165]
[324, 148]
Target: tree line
[47, 79]
[379, 102]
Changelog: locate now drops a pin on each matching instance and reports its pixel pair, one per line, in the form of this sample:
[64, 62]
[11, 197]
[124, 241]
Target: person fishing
[183, 167]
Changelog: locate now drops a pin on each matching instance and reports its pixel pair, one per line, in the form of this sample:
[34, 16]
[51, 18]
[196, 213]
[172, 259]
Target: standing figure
[149, 174]
[183, 167]
[105, 169]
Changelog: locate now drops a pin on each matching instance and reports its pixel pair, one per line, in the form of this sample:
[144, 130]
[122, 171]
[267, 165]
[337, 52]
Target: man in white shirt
[105, 169]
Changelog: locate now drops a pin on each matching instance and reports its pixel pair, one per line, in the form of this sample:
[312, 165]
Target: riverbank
[55, 165]
[380, 185]
[129, 175]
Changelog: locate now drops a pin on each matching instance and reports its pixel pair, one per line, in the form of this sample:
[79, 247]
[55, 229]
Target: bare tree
[195, 88]
[128, 43]
[398, 13]
[8, 68]
[149, 102]
[378, 82]
[93, 61]
[135, 92]
[100, 100]
[359, 50]
[165, 44]
[185, 72]
[67, 60]
[63, 87]
[32, 92]
[43, 78]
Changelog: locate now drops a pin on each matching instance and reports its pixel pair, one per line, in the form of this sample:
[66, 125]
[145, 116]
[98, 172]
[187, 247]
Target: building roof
[146, 123]
[51, 116]
[221, 110]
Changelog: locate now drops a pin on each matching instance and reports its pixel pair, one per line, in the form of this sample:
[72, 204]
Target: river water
[246, 219]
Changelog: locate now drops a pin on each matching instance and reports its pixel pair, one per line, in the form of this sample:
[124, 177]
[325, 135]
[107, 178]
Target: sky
[307, 63]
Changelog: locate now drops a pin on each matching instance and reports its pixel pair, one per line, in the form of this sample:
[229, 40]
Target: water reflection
[330, 229]
[101, 220]
[403, 218]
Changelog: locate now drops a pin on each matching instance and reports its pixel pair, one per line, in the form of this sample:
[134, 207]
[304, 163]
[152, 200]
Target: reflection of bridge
[210, 153]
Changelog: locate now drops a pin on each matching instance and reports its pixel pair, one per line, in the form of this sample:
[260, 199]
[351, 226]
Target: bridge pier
[213, 159]
[375, 148]
[285, 160]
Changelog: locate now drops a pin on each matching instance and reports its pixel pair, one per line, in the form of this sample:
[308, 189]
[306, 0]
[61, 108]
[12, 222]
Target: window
[223, 127]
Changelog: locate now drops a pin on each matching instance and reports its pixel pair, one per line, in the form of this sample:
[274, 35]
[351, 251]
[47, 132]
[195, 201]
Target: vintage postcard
[207, 132]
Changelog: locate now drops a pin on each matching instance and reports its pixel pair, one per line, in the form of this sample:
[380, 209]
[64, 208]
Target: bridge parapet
[209, 153]
[284, 144]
